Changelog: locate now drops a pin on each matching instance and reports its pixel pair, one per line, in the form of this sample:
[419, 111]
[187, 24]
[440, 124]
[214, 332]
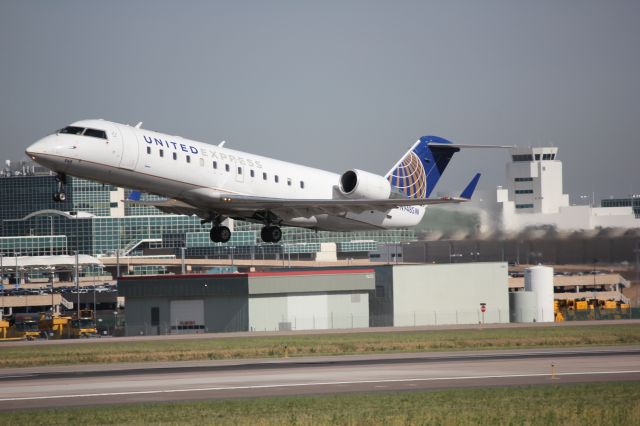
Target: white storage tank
[523, 306]
[539, 280]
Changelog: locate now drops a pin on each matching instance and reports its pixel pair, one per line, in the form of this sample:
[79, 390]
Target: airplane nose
[36, 149]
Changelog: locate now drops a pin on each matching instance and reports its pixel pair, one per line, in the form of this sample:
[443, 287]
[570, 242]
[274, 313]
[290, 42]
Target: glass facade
[22, 195]
[33, 246]
[90, 197]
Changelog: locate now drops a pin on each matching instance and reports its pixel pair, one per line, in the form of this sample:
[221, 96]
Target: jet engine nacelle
[360, 184]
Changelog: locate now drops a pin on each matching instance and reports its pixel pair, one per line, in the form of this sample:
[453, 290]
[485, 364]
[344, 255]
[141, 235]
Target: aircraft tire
[271, 234]
[220, 234]
[224, 234]
[264, 234]
[213, 234]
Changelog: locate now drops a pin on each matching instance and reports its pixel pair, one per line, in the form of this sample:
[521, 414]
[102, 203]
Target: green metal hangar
[261, 301]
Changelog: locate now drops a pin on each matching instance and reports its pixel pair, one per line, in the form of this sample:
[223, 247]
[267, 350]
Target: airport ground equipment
[55, 327]
[85, 325]
[26, 326]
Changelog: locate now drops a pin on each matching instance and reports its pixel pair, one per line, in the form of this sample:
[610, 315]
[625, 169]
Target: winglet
[134, 196]
[468, 191]
[139, 125]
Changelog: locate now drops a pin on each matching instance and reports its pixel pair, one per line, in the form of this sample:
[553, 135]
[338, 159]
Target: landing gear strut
[271, 234]
[60, 196]
[220, 234]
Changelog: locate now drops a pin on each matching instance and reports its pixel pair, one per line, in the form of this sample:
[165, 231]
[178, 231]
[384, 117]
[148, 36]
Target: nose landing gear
[60, 196]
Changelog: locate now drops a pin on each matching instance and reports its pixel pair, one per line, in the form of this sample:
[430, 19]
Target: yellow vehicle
[56, 327]
[85, 326]
[26, 326]
[557, 311]
[4, 329]
[610, 304]
[582, 305]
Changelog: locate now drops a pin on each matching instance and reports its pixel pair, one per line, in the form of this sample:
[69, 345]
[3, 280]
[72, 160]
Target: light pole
[17, 274]
[51, 239]
[51, 277]
[77, 279]
[2, 285]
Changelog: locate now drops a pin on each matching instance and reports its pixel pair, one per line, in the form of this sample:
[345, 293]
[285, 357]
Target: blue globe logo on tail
[416, 175]
[409, 177]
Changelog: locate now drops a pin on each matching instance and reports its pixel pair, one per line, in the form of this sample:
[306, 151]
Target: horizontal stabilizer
[468, 191]
[459, 145]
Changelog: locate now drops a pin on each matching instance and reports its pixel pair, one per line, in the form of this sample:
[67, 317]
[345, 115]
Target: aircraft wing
[170, 206]
[246, 206]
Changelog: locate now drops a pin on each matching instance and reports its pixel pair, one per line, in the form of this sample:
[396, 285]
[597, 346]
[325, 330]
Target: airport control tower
[534, 180]
[533, 196]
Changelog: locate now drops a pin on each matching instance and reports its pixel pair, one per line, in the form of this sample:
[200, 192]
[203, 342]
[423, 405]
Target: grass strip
[584, 404]
[113, 351]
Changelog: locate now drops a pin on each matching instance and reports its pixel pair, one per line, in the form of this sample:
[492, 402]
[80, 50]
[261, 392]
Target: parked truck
[25, 326]
[85, 325]
[56, 326]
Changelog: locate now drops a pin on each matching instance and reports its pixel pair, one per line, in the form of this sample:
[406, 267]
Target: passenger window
[252, 173]
[239, 170]
[215, 164]
[288, 182]
[264, 175]
[161, 152]
[175, 156]
[275, 178]
[226, 167]
[301, 184]
[188, 158]
[148, 150]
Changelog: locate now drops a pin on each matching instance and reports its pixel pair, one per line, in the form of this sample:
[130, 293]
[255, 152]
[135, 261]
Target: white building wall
[450, 294]
[309, 311]
[266, 313]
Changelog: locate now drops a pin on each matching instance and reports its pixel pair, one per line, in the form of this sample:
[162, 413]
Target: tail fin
[418, 171]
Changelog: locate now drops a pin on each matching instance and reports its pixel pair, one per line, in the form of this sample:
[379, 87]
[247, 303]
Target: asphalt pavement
[88, 385]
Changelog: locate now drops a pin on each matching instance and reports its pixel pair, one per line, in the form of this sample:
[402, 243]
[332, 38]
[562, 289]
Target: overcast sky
[339, 84]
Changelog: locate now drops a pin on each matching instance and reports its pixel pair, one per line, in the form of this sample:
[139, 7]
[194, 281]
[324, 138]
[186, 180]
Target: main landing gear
[60, 196]
[271, 234]
[220, 234]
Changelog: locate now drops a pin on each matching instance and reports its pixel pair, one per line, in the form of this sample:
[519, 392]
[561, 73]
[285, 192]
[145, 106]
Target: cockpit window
[72, 130]
[96, 133]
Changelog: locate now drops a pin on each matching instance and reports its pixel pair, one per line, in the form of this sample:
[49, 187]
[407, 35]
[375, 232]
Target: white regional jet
[216, 183]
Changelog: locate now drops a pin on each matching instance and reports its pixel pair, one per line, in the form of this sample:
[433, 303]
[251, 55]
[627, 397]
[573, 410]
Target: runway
[30, 388]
